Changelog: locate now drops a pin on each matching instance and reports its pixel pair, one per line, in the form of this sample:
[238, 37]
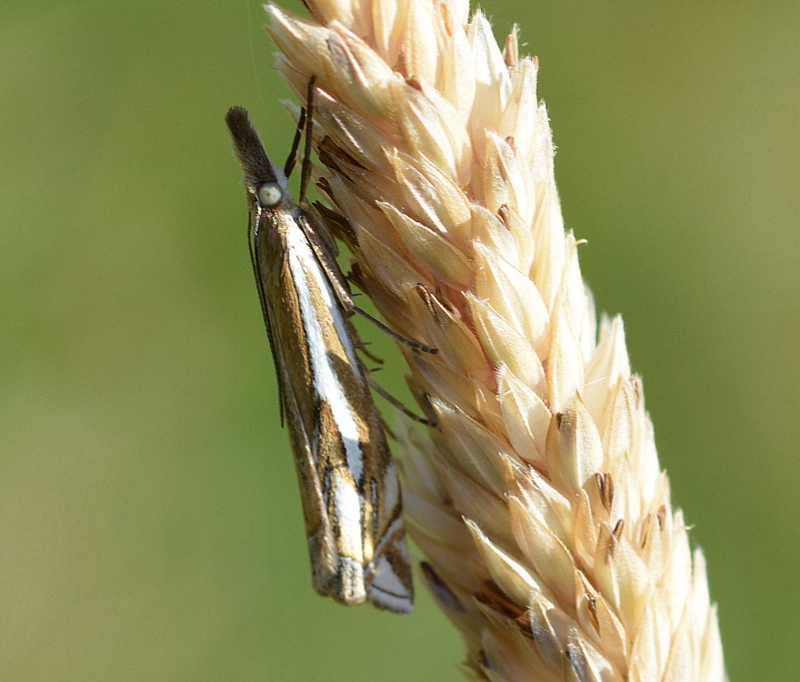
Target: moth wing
[319, 531]
[389, 581]
[285, 331]
[355, 534]
[325, 251]
[254, 232]
[386, 574]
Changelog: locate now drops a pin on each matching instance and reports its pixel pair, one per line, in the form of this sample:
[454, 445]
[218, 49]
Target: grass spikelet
[548, 535]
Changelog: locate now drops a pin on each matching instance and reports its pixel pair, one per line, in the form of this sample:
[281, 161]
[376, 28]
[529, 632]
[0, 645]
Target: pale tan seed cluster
[545, 522]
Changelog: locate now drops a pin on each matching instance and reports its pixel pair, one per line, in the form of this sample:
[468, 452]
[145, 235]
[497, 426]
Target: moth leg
[288, 167]
[399, 405]
[304, 124]
[305, 174]
[363, 347]
[397, 337]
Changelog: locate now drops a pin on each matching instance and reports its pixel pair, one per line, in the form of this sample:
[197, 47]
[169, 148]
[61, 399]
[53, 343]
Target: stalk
[548, 535]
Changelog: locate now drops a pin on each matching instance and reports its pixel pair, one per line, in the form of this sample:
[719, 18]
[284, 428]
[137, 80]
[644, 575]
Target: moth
[348, 481]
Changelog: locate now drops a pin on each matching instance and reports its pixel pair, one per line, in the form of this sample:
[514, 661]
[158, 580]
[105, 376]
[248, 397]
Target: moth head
[269, 194]
[265, 180]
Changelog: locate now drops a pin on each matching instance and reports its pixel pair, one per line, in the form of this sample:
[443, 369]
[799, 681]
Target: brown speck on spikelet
[546, 525]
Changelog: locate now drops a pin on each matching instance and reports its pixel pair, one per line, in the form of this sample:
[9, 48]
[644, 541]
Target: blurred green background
[150, 526]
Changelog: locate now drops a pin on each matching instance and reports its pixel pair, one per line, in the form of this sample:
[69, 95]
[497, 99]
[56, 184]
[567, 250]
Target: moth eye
[270, 194]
